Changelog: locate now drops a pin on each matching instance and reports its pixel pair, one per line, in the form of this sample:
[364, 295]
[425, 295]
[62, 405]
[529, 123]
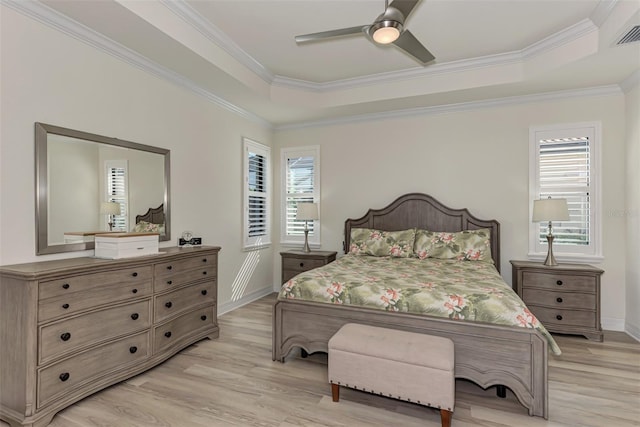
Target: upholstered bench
[409, 366]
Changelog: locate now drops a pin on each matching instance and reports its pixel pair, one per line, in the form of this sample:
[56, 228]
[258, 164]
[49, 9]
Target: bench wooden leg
[335, 392]
[445, 417]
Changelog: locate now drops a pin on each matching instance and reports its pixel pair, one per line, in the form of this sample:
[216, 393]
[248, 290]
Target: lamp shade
[307, 211]
[550, 210]
[110, 208]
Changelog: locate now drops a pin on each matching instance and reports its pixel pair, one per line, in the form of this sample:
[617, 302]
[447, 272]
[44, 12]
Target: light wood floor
[233, 382]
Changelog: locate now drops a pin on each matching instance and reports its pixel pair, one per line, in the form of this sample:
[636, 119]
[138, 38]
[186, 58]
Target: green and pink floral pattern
[468, 245]
[367, 241]
[465, 291]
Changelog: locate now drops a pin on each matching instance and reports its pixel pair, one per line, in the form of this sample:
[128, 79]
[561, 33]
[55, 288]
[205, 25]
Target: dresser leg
[598, 336]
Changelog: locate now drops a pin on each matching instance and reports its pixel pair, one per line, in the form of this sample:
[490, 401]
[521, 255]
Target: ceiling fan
[388, 28]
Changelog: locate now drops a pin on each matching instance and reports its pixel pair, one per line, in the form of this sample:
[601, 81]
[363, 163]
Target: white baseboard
[633, 331]
[246, 299]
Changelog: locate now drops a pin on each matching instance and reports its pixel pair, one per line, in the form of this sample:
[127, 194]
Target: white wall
[475, 159]
[632, 212]
[52, 78]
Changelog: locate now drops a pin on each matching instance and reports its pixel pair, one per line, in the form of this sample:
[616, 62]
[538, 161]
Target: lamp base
[551, 260]
[306, 247]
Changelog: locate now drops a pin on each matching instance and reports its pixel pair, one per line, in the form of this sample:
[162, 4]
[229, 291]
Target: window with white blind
[117, 186]
[256, 195]
[300, 171]
[565, 164]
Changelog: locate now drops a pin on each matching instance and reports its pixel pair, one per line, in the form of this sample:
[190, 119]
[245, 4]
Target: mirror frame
[42, 197]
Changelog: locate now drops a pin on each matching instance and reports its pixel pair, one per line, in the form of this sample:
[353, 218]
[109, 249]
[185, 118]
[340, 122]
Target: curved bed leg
[501, 391]
[303, 353]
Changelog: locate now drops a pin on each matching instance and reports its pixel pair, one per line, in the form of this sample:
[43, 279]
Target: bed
[487, 354]
[151, 221]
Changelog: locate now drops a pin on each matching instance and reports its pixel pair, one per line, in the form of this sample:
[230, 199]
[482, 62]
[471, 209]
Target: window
[300, 184]
[256, 195]
[565, 164]
[118, 191]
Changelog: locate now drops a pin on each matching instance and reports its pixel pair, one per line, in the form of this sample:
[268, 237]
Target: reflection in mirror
[89, 184]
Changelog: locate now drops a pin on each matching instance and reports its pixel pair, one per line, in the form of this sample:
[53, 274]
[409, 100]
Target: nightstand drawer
[552, 316]
[564, 300]
[299, 264]
[558, 282]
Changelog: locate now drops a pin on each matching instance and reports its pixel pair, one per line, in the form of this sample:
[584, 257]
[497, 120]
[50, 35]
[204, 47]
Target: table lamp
[550, 210]
[111, 209]
[307, 212]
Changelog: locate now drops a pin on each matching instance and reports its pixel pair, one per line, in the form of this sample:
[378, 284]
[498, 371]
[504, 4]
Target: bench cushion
[391, 344]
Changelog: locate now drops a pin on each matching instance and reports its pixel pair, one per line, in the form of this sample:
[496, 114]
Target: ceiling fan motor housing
[391, 18]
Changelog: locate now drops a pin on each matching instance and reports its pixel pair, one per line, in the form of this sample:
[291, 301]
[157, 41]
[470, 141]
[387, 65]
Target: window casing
[117, 180]
[300, 177]
[256, 195]
[565, 163]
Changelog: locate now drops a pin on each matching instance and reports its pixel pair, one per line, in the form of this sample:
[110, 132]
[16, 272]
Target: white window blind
[300, 174]
[564, 164]
[257, 194]
[117, 191]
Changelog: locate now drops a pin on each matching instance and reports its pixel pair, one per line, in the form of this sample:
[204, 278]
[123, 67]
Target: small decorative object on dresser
[295, 262]
[565, 297]
[69, 328]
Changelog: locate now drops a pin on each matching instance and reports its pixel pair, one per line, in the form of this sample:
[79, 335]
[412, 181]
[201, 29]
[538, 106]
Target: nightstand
[295, 262]
[565, 298]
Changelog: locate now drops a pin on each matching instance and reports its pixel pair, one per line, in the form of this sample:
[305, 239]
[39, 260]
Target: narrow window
[117, 191]
[564, 165]
[257, 195]
[300, 184]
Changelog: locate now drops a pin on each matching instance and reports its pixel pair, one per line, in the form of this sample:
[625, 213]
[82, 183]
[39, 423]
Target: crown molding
[608, 90]
[602, 11]
[78, 31]
[193, 18]
[560, 38]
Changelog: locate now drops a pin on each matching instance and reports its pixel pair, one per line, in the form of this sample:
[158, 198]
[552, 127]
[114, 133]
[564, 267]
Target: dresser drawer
[183, 326]
[176, 280]
[183, 299]
[64, 376]
[559, 299]
[173, 267]
[67, 304]
[89, 282]
[301, 264]
[558, 282]
[60, 338]
[553, 316]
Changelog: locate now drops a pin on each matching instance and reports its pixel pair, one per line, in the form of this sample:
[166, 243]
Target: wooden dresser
[69, 328]
[565, 297]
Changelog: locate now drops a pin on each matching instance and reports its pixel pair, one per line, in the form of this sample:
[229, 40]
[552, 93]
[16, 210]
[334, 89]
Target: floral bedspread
[460, 290]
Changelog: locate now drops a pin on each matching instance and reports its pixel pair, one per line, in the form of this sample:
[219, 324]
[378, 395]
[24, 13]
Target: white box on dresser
[125, 245]
[69, 328]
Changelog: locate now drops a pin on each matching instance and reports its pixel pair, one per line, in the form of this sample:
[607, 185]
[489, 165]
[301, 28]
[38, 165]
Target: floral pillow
[468, 245]
[148, 227]
[398, 244]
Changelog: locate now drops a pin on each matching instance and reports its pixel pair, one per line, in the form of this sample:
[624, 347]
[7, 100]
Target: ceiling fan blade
[333, 33]
[413, 47]
[404, 6]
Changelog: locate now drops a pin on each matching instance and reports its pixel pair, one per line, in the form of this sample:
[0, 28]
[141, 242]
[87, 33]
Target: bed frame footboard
[486, 354]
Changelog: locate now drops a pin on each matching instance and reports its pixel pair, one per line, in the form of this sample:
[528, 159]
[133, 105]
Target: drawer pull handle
[559, 282]
[203, 292]
[559, 299]
[204, 272]
[65, 286]
[169, 267]
[134, 290]
[167, 334]
[204, 260]
[134, 274]
[169, 282]
[65, 306]
[559, 317]
[302, 264]
[133, 349]
[64, 376]
[168, 304]
[135, 316]
[65, 337]
[203, 317]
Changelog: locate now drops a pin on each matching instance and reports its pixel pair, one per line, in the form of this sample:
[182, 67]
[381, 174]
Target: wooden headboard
[423, 211]
[153, 215]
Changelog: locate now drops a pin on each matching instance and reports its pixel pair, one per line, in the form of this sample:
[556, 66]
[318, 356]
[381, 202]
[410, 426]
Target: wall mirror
[88, 184]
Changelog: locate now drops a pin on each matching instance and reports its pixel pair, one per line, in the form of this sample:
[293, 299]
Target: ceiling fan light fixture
[386, 32]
